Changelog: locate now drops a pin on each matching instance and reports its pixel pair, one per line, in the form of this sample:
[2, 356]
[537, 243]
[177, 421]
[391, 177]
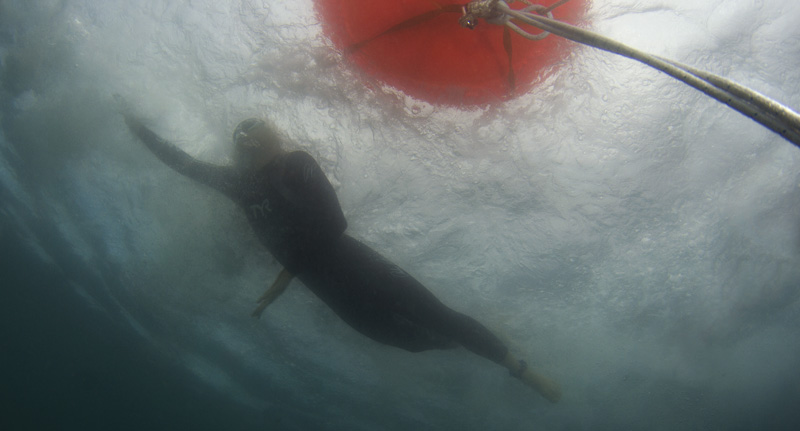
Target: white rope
[769, 113]
[529, 9]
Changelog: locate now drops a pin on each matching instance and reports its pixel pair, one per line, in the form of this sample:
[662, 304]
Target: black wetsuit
[295, 213]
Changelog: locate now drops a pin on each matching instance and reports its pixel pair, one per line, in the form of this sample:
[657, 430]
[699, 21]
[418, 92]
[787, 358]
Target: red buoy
[418, 47]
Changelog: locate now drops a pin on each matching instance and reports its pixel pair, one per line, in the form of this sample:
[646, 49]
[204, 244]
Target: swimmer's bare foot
[544, 386]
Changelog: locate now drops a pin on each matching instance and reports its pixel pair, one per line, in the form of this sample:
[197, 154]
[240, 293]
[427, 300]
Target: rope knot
[498, 12]
[486, 9]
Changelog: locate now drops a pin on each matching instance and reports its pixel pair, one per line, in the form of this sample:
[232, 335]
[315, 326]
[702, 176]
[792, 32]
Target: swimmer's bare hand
[132, 121]
[275, 290]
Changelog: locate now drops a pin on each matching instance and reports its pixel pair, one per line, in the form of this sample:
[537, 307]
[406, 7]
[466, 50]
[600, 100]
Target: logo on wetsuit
[262, 208]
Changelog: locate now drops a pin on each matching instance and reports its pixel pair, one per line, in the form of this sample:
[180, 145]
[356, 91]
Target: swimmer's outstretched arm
[222, 178]
[278, 286]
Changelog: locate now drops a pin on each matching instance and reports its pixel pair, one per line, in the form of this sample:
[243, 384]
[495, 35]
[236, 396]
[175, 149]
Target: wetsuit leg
[469, 333]
[385, 303]
[362, 289]
[423, 308]
[382, 301]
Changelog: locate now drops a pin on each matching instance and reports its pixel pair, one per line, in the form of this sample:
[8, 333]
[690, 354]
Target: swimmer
[295, 213]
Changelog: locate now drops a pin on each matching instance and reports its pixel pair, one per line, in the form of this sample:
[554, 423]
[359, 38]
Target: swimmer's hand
[278, 286]
[126, 109]
[122, 105]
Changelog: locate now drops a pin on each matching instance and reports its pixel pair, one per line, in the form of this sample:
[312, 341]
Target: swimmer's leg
[480, 340]
[278, 286]
[519, 369]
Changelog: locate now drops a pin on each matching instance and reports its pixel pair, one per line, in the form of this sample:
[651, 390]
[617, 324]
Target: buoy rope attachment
[488, 10]
[767, 112]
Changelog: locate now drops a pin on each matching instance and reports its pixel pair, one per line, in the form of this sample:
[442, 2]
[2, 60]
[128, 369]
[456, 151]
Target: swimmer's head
[255, 142]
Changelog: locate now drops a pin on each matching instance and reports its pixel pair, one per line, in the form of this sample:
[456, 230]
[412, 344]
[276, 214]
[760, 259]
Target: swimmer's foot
[544, 386]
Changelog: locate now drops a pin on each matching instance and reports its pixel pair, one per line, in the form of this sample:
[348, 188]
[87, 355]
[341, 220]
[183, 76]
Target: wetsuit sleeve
[221, 178]
[307, 187]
